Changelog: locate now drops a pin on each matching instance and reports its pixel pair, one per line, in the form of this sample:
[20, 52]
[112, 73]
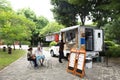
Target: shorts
[40, 57]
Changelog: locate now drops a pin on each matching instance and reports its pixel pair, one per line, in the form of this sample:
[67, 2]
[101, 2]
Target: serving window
[70, 36]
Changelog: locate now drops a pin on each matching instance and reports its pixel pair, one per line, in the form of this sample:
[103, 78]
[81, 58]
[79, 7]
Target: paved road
[22, 70]
[53, 70]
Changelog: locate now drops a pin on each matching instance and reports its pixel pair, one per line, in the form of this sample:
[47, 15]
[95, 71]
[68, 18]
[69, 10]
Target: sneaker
[60, 61]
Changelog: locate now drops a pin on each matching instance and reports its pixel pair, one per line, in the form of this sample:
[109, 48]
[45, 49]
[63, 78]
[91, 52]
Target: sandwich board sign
[80, 64]
[76, 62]
[72, 61]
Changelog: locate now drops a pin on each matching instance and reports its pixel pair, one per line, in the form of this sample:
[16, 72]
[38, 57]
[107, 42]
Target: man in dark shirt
[61, 48]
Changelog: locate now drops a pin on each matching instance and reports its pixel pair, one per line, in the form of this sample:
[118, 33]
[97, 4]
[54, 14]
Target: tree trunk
[14, 46]
[82, 17]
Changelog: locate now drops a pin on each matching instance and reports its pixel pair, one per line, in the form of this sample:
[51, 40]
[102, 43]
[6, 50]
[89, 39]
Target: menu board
[80, 61]
[72, 59]
[76, 62]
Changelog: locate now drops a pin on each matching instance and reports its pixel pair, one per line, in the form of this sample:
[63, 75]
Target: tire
[52, 53]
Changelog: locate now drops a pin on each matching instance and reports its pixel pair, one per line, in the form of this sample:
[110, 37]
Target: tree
[64, 13]
[14, 27]
[5, 5]
[40, 22]
[100, 11]
[99, 14]
[51, 28]
[71, 9]
[114, 8]
[112, 31]
[28, 13]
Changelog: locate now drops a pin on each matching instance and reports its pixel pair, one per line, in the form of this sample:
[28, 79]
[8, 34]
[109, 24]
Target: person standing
[61, 53]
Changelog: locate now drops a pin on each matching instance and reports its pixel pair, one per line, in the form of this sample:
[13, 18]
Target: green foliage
[114, 51]
[14, 27]
[110, 43]
[99, 11]
[51, 28]
[6, 59]
[112, 31]
[5, 5]
[78, 2]
[40, 22]
[64, 12]
[25, 42]
[53, 43]
[114, 8]
[28, 13]
[67, 12]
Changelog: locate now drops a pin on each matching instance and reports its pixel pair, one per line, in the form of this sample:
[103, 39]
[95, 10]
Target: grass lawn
[6, 59]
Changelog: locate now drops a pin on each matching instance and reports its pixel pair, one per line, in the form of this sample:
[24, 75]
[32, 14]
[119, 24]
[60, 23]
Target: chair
[48, 63]
[30, 63]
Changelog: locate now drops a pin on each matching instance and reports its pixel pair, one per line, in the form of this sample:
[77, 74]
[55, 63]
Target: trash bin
[102, 59]
[88, 63]
[98, 59]
[9, 50]
[4, 48]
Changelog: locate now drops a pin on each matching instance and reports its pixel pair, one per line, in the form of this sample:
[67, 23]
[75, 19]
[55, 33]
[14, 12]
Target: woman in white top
[39, 55]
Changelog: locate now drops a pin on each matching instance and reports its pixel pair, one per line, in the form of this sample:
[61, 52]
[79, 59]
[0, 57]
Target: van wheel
[52, 53]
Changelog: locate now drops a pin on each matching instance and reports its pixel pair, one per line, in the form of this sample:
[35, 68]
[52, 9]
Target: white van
[54, 51]
[80, 36]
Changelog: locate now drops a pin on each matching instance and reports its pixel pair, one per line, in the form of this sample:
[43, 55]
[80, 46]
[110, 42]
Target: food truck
[87, 37]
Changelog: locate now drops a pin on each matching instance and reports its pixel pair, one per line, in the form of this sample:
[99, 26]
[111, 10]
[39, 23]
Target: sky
[40, 7]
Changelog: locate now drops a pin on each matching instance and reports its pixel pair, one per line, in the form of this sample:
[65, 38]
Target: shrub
[45, 44]
[110, 43]
[113, 51]
[52, 43]
[25, 42]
